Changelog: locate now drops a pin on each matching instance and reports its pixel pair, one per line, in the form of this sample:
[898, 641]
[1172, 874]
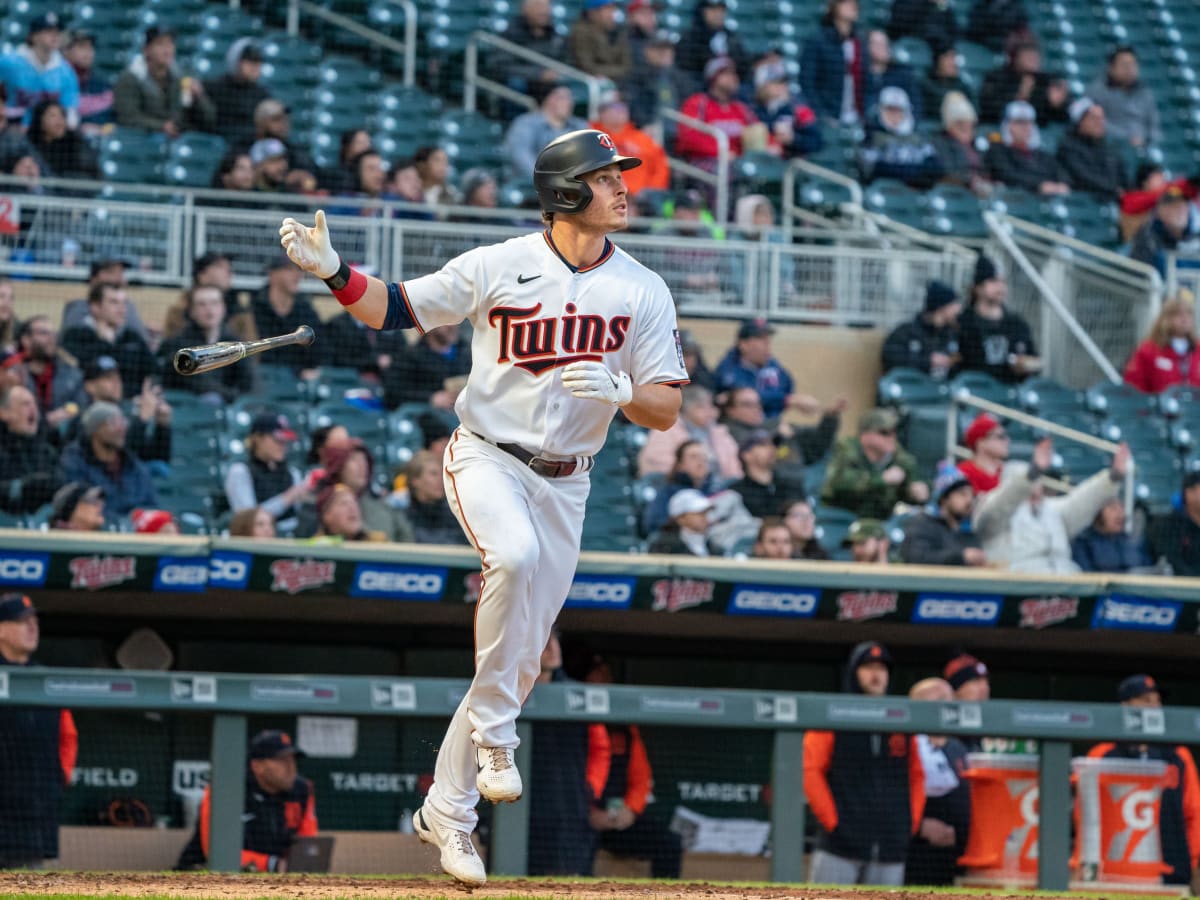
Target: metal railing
[792, 213]
[1182, 273]
[408, 49]
[473, 81]
[719, 180]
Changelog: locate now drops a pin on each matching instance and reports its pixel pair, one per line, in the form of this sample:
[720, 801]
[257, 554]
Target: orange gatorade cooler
[1117, 808]
[1002, 843]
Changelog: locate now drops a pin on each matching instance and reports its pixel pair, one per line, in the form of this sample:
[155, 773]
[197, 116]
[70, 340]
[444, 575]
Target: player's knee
[518, 560]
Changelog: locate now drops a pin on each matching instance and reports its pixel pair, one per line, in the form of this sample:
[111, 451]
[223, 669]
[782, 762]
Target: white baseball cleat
[459, 859]
[498, 779]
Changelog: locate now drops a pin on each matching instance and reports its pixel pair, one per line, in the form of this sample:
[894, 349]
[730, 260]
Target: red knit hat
[150, 521]
[983, 425]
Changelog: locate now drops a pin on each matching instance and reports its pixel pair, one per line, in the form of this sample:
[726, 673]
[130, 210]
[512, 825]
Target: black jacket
[548, 43]
[1092, 165]
[929, 20]
[990, 22]
[419, 372]
[930, 540]
[650, 89]
[354, 344]
[269, 323]
[1024, 169]
[701, 43]
[1001, 86]
[932, 865]
[228, 382]
[912, 343]
[132, 354]
[767, 499]
[1177, 538]
[69, 157]
[235, 100]
[987, 344]
[28, 471]
[434, 523]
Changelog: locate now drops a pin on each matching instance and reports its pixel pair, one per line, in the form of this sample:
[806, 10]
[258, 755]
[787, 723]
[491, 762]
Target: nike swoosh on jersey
[525, 279]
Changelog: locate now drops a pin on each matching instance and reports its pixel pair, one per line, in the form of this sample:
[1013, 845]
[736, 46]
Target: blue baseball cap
[14, 607]
[271, 743]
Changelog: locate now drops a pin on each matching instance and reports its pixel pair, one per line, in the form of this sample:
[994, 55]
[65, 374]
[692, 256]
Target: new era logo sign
[588, 701]
[775, 709]
[3, 685]
[962, 715]
[393, 695]
[1144, 721]
[197, 689]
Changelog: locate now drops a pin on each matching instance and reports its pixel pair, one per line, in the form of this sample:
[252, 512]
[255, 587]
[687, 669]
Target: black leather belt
[547, 468]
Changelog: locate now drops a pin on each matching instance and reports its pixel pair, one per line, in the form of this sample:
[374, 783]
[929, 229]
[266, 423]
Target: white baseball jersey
[532, 313]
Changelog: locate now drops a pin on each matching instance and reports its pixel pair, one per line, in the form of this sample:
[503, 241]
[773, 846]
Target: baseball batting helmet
[561, 162]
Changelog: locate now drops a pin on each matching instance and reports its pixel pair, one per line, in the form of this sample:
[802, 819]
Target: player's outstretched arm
[365, 297]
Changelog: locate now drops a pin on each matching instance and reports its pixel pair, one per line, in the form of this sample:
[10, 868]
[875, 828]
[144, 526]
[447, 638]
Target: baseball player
[567, 328]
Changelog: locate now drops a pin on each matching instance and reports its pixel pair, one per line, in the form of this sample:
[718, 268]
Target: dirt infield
[328, 887]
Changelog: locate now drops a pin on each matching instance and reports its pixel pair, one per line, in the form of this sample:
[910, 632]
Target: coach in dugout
[279, 808]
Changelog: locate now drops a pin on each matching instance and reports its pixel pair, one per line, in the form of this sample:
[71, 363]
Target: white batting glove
[593, 381]
[309, 248]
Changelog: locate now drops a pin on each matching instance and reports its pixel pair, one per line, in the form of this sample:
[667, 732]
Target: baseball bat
[194, 360]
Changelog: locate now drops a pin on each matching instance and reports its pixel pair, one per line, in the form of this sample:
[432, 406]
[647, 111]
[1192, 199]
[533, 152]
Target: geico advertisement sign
[227, 571]
[1136, 613]
[773, 600]
[600, 592]
[390, 582]
[23, 569]
[953, 609]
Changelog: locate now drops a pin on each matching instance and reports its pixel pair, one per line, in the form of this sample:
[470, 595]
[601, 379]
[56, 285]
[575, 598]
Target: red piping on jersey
[679, 383]
[408, 305]
[483, 566]
[605, 255]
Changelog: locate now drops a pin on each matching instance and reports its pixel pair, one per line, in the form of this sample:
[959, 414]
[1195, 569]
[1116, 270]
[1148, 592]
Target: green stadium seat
[1107, 400]
[905, 388]
[1045, 397]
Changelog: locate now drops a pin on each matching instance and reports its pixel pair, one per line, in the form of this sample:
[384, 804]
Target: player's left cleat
[459, 859]
[498, 779]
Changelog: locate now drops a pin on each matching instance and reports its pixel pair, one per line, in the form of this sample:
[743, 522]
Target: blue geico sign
[773, 600]
[390, 582]
[181, 573]
[1136, 613]
[956, 609]
[600, 592]
[229, 570]
[19, 569]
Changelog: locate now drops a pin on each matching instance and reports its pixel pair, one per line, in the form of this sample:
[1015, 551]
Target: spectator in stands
[480, 190]
[697, 422]
[1149, 182]
[867, 790]
[1174, 228]
[36, 71]
[534, 30]
[265, 479]
[1168, 354]
[28, 461]
[929, 341]
[988, 442]
[993, 338]
[692, 470]
[998, 23]
[100, 457]
[893, 148]
[656, 83]
[1019, 161]
[709, 37]
[350, 465]
[1179, 806]
[621, 782]
[428, 511]
[686, 531]
[212, 269]
[792, 123]
[641, 21]
[937, 537]
[654, 172]
[1039, 529]
[234, 173]
[1022, 80]
[930, 20]
[150, 93]
[705, 269]
[153, 521]
[339, 515]
[354, 345]
[868, 542]
[150, 434]
[53, 378]
[1088, 160]
[270, 161]
[969, 679]
[832, 64]
[78, 507]
[532, 131]
[693, 361]
[38, 747]
[961, 159]
[433, 165]
[9, 326]
[322, 442]
[272, 120]
[404, 185]
[237, 92]
[1128, 105]
[253, 522]
[941, 837]
[801, 523]
[763, 488]
[1177, 537]
[205, 324]
[279, 308]
[95, 91]
[1105, 545]
[718, 105]
[882, 71]
[280, 806]
[944, 78]
[106, 270]
[64, 149]
[561, 839]
[104, 333]
[420, 372]
[749, 363]
[339, 179]
[598, 44]
[871, 473]
[774, 541]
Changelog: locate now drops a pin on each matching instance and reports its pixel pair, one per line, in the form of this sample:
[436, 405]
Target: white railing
[792, 213]
[407, 48]
[473, 81]
[719, 180]
[1182, 273]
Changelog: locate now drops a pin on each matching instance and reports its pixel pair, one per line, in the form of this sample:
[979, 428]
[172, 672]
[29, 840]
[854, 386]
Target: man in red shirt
[717, 105]
[988, 442]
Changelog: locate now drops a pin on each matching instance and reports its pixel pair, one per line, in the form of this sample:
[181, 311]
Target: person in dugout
[279, 808]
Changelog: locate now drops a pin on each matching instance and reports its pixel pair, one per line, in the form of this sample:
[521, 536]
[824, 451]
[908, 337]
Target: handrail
[1124, 266]
[720, 180]
[472, 80]
[999, 230]
[803, 165]
[408, 47]
[966, 398]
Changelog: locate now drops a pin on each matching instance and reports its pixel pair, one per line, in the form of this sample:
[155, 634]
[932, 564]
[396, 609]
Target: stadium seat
[984, 386]
[1109, 399]
[909, 387]
[1045, 397]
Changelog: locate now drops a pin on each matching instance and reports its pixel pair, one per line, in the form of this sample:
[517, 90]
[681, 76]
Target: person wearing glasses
[871, 473]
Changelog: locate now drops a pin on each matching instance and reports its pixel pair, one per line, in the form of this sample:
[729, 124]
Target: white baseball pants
[527, 530]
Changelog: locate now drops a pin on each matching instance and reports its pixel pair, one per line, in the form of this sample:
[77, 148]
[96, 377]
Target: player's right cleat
[498, 779]
[459, 859]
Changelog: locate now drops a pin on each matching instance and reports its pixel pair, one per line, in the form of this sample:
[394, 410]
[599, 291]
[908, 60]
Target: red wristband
[354, 289]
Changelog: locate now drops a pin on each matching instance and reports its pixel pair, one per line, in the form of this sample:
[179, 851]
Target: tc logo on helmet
[606, 142]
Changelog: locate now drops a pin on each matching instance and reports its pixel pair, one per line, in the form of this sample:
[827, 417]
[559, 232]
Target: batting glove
[594, 381]
[309, 248]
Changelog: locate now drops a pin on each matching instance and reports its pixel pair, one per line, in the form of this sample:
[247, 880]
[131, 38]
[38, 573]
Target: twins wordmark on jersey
[533, 342]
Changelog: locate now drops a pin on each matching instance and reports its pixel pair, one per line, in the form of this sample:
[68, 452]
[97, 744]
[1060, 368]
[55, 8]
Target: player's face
[275, 775]
[609, 209]
[19, 638]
